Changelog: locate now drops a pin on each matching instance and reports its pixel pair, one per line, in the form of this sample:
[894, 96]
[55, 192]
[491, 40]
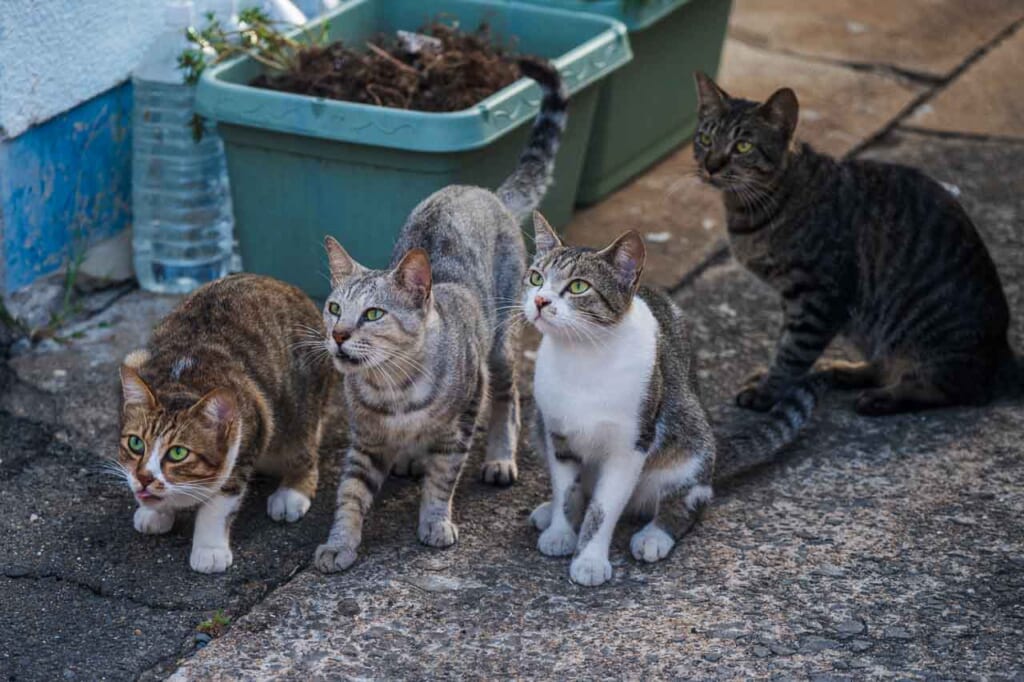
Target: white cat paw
[590, 571]
[152, 521]
[334, 558]
[557, 541]
[501, 472]
[438, 533]
[651, 544]
[287, 504]
[210, 559]
[541, 516]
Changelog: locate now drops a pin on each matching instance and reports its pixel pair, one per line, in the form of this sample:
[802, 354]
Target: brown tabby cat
[225, 386]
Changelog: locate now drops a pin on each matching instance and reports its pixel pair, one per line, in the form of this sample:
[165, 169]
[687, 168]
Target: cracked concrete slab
[928, 37]
[981, 101]
[877, 548]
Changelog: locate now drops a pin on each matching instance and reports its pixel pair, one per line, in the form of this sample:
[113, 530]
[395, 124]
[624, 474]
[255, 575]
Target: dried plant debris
[442, 68]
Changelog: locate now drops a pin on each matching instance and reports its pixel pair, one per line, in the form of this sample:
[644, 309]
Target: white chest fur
[592, 393]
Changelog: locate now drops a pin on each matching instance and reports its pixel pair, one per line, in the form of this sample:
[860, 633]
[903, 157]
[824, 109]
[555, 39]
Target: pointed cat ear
[413, 275]
[544, 236]
[342, 265]
[627, 255]
[781, 110]
[218, 407]
[712, 100]
[134, 390]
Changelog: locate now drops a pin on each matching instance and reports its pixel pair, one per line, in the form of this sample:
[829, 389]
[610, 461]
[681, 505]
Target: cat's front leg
[808, 328]
[559, 537]
[361, 479]
[440, 476]
[615, 486]
[153, 521]
[211, 548]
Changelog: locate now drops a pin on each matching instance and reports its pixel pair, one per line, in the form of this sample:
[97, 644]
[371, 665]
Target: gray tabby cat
[426, 346]
[619, 417]
[878, 252]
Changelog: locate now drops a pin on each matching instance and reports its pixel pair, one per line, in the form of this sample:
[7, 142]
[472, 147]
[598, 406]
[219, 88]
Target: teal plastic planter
[302, 167]
[648, 108]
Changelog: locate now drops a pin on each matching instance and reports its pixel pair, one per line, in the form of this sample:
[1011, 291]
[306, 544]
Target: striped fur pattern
[742, 452]
[877, 252]
[226, 386]
[525, 187]
[437, 366]
[619, 418]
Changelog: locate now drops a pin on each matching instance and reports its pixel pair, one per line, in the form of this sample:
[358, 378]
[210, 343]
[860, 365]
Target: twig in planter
[397, 62]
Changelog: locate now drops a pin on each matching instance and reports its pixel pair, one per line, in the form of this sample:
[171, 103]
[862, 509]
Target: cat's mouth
[349, 359]
[147, 496]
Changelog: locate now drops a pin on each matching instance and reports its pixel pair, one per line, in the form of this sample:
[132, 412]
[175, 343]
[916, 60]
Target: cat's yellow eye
[705, 139]
[333, 308]
[136, 445]
[742, 147]
[536, 279]
[177, 453]
[578, 286]
[373, 314]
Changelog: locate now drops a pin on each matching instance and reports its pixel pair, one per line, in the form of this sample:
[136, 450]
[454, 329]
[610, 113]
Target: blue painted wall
[65, 185]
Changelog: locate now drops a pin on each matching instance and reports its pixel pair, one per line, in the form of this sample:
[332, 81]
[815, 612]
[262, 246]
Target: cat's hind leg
[499, 467]
[918, 387]
[669, 513]
[299, 466]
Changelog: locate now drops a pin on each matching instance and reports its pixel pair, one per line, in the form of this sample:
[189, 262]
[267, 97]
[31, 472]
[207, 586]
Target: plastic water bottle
[183, 224]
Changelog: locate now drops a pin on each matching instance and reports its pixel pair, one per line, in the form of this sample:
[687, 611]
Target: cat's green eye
[742, 147]
[177, 453]
[373, 314]
[705, 139]
[536, 279]
[333, 308]
[136, 445]
[578, 286]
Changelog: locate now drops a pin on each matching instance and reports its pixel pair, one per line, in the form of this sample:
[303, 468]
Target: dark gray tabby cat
[875, 251]
[619, 417]
[427, 346]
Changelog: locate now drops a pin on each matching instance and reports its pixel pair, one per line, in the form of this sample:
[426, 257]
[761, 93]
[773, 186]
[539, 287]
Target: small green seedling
[215, 625]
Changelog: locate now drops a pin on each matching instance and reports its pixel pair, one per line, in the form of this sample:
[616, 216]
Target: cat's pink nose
[541, 302]
[340, 336]
[145, 478]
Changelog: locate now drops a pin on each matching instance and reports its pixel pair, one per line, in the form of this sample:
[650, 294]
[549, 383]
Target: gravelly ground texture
[886, 548]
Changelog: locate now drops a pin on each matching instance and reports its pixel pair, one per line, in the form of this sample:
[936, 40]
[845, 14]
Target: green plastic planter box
[649, 107]
[302, 167]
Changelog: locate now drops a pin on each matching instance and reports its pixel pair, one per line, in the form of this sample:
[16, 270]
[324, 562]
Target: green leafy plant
[215, 625]
[257, 36]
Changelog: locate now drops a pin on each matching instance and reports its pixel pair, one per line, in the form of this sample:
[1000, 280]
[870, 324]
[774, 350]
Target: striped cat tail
[740, 453]
[523, 190]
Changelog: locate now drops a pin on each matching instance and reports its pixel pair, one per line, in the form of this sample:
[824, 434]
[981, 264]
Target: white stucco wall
[58, 53]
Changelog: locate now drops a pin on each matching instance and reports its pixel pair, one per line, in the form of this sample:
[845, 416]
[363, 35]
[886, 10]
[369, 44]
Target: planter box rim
[223, 100]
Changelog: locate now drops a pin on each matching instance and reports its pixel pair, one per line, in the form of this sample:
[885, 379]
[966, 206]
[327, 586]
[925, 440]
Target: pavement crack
[718, 255]
[15, 574]
[930, 94]
[960, 135]
[878, 68]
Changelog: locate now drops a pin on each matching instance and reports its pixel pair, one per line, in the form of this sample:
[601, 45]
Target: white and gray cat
[426, 345]
[619, 417]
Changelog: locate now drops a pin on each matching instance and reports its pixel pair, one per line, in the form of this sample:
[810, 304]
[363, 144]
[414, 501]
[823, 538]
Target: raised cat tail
[742, 452]
[523, 190]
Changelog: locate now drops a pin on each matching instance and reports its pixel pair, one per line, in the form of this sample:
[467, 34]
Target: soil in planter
[451, 73]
